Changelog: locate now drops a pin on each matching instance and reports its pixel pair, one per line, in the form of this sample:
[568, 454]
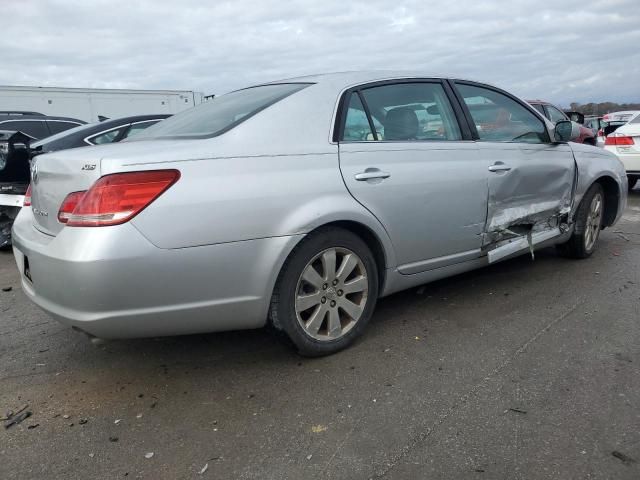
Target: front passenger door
[530, 178]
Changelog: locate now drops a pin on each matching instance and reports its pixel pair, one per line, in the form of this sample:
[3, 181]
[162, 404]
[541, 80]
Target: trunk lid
[53, 177]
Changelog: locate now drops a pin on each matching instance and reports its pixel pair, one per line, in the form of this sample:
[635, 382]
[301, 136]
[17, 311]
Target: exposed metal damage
[516, 224]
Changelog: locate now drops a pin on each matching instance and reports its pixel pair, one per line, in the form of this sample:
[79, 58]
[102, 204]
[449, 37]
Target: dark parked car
[555, 115]
[109, 131]
[36, 125]
[14, 180]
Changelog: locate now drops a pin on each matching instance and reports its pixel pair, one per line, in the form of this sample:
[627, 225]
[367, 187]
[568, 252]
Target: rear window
[57, 126]
[34, 128]
[220, 114]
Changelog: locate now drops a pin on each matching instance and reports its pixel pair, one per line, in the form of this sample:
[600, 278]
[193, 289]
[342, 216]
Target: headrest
[400, 124]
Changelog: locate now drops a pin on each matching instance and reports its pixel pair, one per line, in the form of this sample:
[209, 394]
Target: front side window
[221, 113]
[499, 118]
[555, 115]
[407, 112]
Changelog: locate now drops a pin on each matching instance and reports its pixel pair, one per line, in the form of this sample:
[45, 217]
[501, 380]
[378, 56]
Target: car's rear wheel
[326, 292]
[588, 224]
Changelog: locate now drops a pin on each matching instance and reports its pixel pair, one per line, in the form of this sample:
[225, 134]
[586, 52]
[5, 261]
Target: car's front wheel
[588, 223]
[326, 292]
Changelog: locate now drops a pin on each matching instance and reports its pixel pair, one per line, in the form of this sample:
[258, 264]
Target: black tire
[576, 246]
[282, 313]
[632, 179]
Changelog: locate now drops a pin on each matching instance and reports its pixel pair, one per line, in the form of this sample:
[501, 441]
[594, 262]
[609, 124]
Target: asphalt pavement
[522, 370]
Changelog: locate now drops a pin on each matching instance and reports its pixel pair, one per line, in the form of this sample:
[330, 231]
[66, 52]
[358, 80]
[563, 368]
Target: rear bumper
[113, 283]
[631, 161]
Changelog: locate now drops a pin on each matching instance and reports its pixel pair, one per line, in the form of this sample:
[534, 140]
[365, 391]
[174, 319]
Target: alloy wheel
[594, 221]
[331, 294]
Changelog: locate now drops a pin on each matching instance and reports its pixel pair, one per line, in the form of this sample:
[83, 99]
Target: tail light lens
[27, 197]
[601, 133]
[69, 205]
[619, 140]
[116, 198]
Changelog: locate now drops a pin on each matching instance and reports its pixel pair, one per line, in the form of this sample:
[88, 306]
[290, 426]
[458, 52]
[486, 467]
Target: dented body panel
[537, 188]
[594, 164]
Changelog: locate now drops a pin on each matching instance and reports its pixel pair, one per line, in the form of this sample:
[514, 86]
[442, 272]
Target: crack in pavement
[423, 435]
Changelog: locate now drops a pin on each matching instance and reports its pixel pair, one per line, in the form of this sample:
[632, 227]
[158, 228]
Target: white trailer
[89, 104]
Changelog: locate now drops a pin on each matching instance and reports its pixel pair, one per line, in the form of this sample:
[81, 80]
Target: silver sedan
[299, 203]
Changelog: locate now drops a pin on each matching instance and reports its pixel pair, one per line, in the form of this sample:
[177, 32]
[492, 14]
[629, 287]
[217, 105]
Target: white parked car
[625, 143]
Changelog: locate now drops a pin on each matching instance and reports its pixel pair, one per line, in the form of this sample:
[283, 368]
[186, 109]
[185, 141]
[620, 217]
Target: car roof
[540, 102]
[132, 118]
[621, 116]
[349, 78]
[4, 117]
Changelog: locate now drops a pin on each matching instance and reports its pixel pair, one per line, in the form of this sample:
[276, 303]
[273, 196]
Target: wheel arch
[372, 240]
[380, 247]
[611, 198]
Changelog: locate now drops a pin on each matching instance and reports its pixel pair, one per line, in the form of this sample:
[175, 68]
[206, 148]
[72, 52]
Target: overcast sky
[566, 51]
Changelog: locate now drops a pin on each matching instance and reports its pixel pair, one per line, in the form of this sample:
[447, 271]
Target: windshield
[62, 134]
[220, 114]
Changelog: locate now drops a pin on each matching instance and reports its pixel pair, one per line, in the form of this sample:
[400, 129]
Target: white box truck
[92, 104]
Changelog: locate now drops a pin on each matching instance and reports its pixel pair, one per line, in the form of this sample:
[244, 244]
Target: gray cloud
[575, 50]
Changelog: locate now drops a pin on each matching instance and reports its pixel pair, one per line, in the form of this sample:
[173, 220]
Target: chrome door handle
[368, 175]
[499, 167]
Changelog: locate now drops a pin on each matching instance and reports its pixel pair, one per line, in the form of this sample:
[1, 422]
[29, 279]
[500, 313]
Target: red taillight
[69, 205]
[117, 198]
[618, 140]
[601, 133]
[27, 197]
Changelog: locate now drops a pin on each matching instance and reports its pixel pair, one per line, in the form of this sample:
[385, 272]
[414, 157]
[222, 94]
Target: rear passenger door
[531, 178]
[405, 156]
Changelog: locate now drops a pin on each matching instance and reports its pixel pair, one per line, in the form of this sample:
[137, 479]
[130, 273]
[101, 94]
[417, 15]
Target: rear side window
[107, 137]
[499, 118]
[60, 126]
[402, 112]
[33, 128]
[222, 113]
[636, 119]
[136, 128]
[357, 127]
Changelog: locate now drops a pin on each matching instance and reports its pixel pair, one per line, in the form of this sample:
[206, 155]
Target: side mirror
[566, 131]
